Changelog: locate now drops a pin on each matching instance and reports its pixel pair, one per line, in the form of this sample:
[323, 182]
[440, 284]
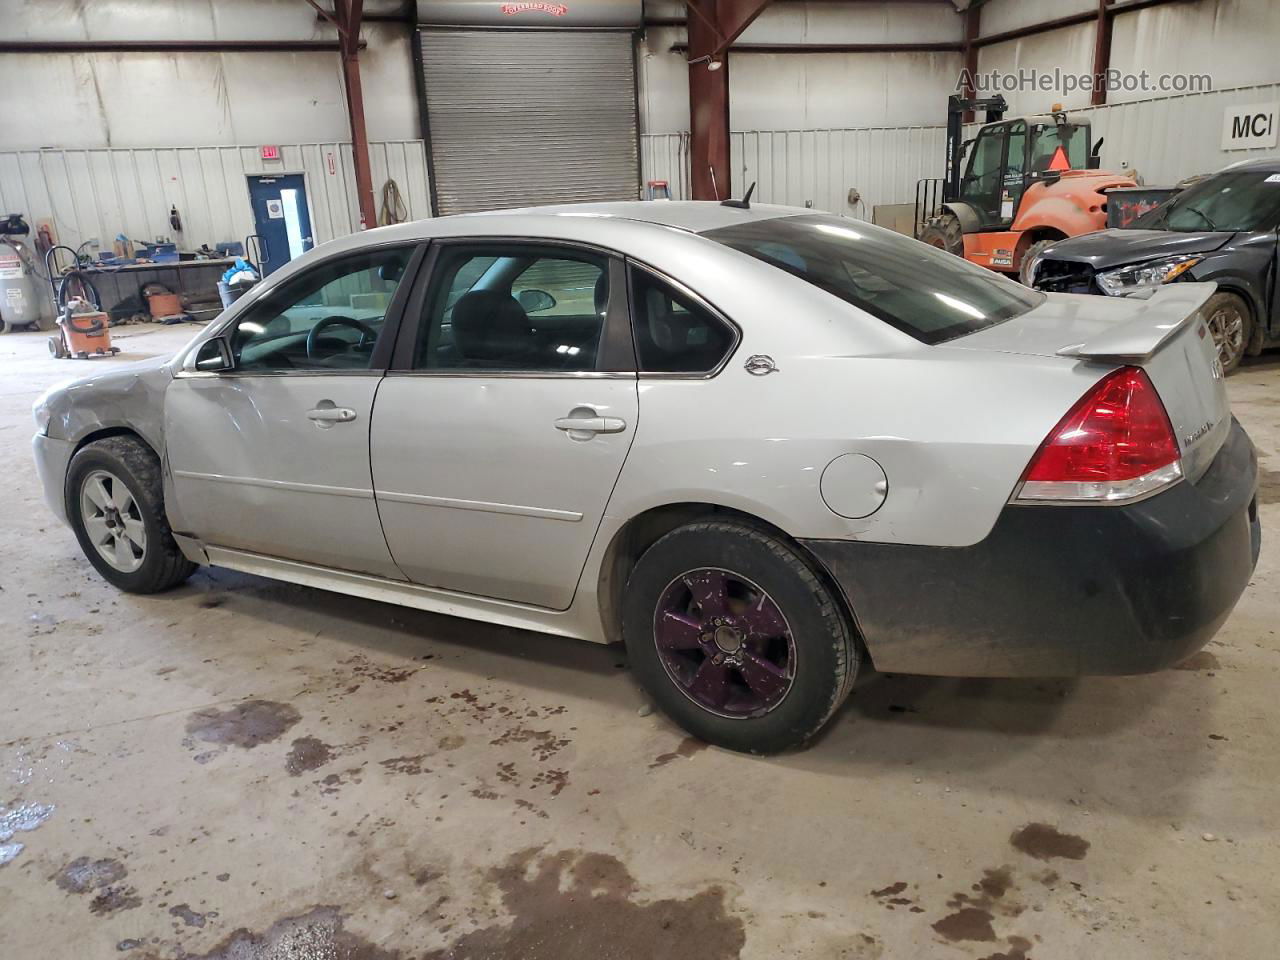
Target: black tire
[1029, 258]
[163, 565]
[1230, 322]
[944, 232]
[826, 651]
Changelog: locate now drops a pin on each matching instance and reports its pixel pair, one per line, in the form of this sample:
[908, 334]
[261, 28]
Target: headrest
[490, 327]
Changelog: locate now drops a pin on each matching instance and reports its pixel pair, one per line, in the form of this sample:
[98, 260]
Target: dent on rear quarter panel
[952, 430]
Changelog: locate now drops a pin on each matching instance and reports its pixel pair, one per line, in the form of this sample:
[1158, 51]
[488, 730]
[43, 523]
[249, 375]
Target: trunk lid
[1166, 336]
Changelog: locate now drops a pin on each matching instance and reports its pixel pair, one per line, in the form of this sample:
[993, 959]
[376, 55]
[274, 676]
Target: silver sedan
[757, 445]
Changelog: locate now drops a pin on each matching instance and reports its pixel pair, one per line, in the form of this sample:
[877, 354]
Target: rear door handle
[591, 424]
[326, 416]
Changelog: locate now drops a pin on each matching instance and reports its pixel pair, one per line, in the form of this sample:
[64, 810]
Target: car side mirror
[535, 300]
[214, 356]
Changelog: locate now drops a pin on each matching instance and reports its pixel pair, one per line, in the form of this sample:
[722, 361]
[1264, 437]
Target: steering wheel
[367, 333]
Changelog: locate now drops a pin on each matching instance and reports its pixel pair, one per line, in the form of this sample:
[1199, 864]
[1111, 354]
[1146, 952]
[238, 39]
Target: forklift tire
[1029, 257]
[944, 232]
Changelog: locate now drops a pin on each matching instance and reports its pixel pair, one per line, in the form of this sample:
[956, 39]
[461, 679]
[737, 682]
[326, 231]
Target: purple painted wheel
[724, 643]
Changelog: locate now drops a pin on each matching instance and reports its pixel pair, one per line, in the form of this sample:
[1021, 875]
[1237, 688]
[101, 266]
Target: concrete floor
[245, 769]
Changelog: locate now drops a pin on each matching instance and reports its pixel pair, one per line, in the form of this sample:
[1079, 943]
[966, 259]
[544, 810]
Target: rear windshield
[921, 290]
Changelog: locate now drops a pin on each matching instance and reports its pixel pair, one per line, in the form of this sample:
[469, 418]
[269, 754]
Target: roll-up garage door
[520, 117]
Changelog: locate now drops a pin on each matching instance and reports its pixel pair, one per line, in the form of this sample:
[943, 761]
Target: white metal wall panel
[665, 156]
[97, 194]
[819, 167]
[522, 117]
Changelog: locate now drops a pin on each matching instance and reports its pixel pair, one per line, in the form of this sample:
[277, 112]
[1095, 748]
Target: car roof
[696, 216]
[1265, 164]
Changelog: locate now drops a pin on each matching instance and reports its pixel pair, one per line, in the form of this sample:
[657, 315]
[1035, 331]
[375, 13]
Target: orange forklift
[1028, 182]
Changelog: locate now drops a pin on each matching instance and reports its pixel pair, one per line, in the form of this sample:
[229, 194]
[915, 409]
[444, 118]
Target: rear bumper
[1063, 591]
[52, 456]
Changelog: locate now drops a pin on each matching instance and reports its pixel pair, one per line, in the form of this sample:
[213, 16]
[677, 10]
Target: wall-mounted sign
[270, 152]
[1250, 127]
[275, 209]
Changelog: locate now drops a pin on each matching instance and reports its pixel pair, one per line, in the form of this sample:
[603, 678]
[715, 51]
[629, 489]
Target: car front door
[272, 455]
[501, 429]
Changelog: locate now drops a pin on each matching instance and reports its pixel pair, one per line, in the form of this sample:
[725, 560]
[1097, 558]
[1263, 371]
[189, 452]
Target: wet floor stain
[410, 765]
[318, 934]
[1018, 950]
[970, 923]
[190, 917]
[82, 874]
[248, 724]
[307, 753]
[687, 748]
[544, 743]
[1044, 842]
[104, 878]
[975, 909]
[1204, 660]
[582, 906]
[891, 897]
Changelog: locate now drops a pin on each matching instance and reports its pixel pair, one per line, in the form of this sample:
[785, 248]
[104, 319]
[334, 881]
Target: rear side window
[923, 291]
[673, 332]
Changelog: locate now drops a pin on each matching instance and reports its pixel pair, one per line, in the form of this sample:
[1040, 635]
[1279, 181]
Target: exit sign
[270, 153]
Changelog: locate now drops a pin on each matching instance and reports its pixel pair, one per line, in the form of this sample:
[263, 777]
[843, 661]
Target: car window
[1235, 200]
[673, 333]
[328, 317]
[521, 309]
[921, 290]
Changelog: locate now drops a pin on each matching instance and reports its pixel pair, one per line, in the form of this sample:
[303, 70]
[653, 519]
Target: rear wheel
[115, 502]
[1231, 323]
[945, 233]
[736, 637]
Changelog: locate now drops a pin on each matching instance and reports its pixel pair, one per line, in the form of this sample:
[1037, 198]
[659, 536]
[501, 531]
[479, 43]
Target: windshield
[1230, 201]
[1047, 138]
[921, 290]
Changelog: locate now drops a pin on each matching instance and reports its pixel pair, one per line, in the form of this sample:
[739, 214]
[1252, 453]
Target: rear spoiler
[1159, 319]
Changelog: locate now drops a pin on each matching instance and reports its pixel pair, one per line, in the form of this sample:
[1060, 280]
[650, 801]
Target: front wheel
[736, 638]
[1231, 323]
[115, 502]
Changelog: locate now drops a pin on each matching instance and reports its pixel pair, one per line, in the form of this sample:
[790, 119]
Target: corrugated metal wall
[1173, 137]
[816, 167]
[97, 194]
[1165, 139]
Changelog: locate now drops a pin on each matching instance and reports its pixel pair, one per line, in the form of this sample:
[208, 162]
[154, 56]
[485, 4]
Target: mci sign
[1248, 128]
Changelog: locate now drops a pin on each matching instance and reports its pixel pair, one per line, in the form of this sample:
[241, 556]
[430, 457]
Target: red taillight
[1116, 443]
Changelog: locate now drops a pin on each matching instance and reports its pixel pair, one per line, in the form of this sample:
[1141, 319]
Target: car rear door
[504, 422]
[272, 456]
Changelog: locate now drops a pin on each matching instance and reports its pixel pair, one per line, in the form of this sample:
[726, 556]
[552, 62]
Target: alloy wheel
[113, 521]
[1226, 324]
[725, 643]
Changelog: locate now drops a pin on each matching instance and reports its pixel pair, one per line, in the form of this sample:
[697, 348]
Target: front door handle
[326, 414]
[591, 425]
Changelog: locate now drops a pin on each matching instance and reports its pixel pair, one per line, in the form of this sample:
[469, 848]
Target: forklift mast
[957, 106]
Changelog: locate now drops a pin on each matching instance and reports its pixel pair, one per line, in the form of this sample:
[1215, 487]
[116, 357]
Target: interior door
[272, 456]
[499, 435]
[282, 219]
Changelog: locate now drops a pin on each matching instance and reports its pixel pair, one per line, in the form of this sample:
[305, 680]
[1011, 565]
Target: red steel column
[348, 14]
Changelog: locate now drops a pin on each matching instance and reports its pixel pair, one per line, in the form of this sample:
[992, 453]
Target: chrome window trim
[702, 302]
[518, 374]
